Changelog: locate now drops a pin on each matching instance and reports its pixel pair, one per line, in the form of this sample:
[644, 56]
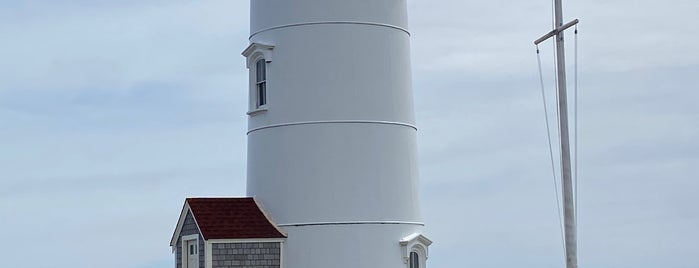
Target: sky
[112, 112]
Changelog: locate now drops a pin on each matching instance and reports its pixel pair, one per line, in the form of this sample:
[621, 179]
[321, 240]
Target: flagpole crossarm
[556, 31]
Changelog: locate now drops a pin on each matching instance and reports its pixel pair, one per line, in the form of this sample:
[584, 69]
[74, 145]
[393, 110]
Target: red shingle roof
[232, 218]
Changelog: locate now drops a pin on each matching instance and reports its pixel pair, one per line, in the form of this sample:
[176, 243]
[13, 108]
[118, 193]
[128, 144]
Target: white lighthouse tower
[331, 132]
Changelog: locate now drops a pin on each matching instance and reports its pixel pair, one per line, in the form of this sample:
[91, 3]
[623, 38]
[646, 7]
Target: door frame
[185, 249]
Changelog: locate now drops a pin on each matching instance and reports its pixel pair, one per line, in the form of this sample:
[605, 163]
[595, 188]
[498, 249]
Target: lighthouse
[331, 130]
[332, 157]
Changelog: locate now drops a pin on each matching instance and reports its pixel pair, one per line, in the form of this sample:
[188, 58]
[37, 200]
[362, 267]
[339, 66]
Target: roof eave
[269, 219]
[183, 216]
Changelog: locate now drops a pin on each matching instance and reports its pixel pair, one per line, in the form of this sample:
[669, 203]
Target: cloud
[85, 46]
[112, 112]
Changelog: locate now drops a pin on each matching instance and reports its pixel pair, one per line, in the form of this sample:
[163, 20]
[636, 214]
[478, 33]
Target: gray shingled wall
[248, 255]
[189, 228]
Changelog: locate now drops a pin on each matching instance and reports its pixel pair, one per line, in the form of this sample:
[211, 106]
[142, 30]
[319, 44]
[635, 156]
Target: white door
[192, 254]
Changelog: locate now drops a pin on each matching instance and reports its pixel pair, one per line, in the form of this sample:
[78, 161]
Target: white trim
[281, 254]
[185, 250]
[183, 253]
[258, 110]
[421, 259]
[180, 223]
[251, 240]
[265, 50]
[254, 96]
[208, 256]
[253, 53]
[334, 122]
[423, 239]
[417, 243]
[178, 227]
[260, 84]
[349, 223]
[190, 237]
[330, 22]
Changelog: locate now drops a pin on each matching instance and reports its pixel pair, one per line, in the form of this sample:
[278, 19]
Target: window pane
[261, 94]
[260, 71]
[264, 69]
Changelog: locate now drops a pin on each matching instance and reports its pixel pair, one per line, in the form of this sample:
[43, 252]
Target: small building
[226, 233]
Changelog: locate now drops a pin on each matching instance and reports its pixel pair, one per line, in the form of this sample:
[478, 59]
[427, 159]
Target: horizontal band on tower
[330, 22]
[350, 223]
[334, 122]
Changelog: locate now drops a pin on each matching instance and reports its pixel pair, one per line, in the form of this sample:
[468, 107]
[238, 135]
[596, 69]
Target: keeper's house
[226, 233]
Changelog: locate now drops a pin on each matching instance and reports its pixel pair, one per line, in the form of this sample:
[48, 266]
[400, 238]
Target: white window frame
[421, 256]
[260, 95]
[417, 243]
[417, 256]
[254, 53]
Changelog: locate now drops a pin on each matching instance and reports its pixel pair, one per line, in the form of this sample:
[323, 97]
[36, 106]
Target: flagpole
[567, 184]
[569, 222]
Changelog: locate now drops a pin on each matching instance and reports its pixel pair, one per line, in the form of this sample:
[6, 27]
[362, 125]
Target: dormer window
[261, 83]
[415, 250]
[258, 57]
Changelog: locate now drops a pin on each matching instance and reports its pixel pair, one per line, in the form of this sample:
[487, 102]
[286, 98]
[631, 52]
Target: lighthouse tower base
[308, 246]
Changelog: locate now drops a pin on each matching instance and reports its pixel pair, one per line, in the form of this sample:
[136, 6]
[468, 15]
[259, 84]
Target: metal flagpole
[571, 246]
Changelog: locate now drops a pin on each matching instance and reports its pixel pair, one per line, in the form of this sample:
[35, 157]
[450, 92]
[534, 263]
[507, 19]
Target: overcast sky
[112, 112]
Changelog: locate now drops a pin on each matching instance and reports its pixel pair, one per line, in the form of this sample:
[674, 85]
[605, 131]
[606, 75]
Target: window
[261, 82]
[258, 56]
[414, 260]
[415, 250]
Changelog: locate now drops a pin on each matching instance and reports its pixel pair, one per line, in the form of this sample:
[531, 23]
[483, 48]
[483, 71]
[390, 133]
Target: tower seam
[334, 122]
[330, 22]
